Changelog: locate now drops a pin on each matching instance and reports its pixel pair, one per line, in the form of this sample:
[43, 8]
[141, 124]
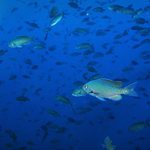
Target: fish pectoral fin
[19, 46]
[100, 98]
[116, 98]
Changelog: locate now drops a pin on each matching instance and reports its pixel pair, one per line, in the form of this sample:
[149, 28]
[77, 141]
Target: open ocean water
[48, 49]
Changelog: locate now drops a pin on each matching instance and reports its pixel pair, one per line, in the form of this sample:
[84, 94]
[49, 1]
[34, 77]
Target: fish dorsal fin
[109, 139]
[116, 83]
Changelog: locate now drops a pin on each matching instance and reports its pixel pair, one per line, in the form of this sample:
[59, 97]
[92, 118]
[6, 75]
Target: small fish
[22, 99]
[14, 9]
[46, 29]
[38, 46]
[98, 9]
[12, 77]
[52, 112]
[108, 144]
[32, 24]
[20, 41]
[2, 52]
[34, 67]
[53, 12]
[84, 46]
[115, 7]
[140, 21]
[25, 76]
[73, 5]
[56, 19]
[63, 99]
[138, 126]
[44, 137]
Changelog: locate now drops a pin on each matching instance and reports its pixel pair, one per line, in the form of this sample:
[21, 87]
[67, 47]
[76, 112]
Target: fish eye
[85, 86]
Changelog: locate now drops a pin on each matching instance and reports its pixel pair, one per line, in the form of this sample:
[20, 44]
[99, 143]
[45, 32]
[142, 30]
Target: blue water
[104, 119]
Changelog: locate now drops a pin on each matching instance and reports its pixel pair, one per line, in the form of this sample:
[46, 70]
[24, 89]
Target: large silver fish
[105, 88]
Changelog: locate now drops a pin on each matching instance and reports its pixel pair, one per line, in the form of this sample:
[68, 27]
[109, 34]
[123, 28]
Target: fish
[20, 41]
[44, 137]
[80, 30]
[138, 12]
[91, 69]
[140, 21]
[53, 12]
[115, 7]
[52, 112]
[73, 5]
[12, 77]
[94, 77]
[32, 24]
[12, 135]
[2, 52]
[46, 29]
[14, 9]
[98, 9]
[138, 126]
[22, 98]
[108, 144]
[56, 19]
[39, 46]
[34, 67]
[25, 76]
[84, 46]
[63, 99]
[105, 88]
[79, 92]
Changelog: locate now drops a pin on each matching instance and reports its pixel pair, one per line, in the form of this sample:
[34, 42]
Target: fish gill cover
[74, 75]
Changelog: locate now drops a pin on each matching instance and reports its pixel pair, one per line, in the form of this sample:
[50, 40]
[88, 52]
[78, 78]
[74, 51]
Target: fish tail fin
[148, 122]
[32, 38]
[129, 90]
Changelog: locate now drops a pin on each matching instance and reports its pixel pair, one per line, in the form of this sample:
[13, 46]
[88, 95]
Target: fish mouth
[91, 92]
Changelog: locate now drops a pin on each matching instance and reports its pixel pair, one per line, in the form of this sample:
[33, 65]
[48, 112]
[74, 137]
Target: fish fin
[116, 98]
[116, 83]
[129, 90]
[19, 46]
[114, 147]
[103, 146]
[148, 122]
[100, 98]
[32, 38]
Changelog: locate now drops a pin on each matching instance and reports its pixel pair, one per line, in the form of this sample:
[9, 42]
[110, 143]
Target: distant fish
[53, 12]
[74, 5]
[14, 9]
[105, 88]
[20, 41]
[56, 19]
[138, 126]
[108, 144]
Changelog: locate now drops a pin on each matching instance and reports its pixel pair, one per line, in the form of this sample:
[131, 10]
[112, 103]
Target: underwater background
[32, 76]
